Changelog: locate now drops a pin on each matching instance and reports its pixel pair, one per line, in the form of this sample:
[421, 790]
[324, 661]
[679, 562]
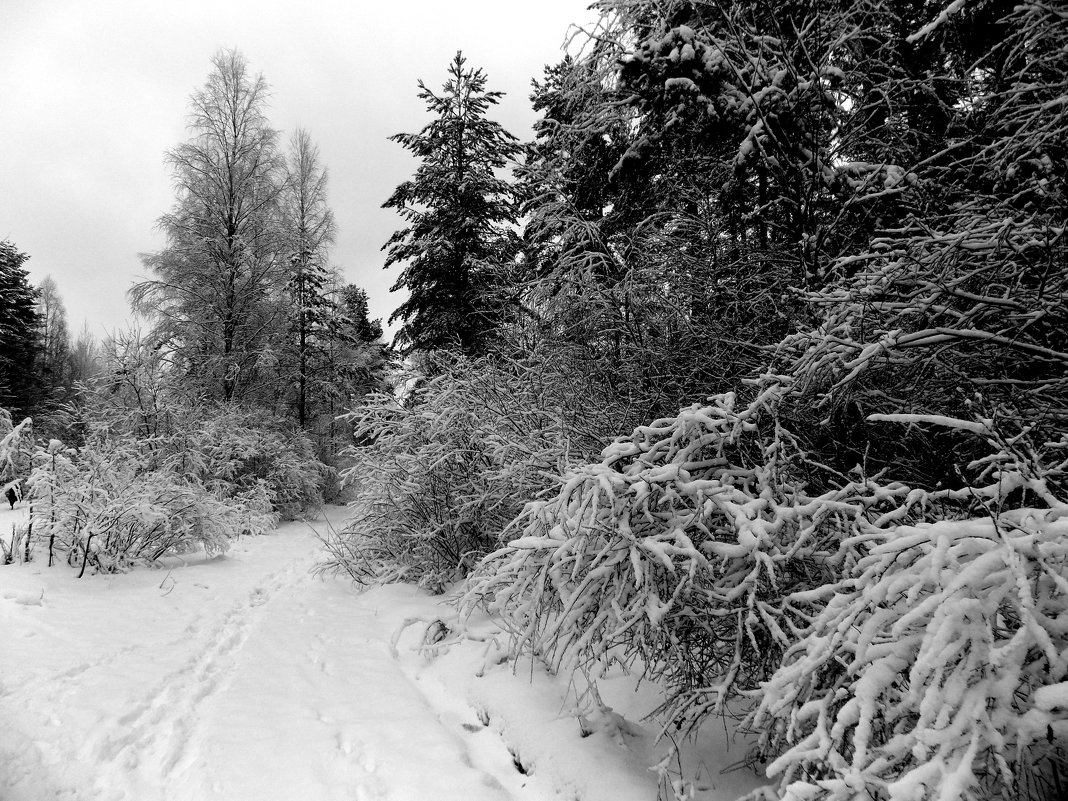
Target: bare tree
[54, 361]
[215, 295]
[84, 356]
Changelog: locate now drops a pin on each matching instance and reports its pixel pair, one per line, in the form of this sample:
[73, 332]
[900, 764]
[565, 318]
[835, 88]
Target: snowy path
[245, 677]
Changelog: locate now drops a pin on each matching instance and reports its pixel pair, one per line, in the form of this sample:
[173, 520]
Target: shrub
[940, 662]
[188, 478]
[232, 449]
[689, 551]
[16, 445]
[440, 472]
[701, 548]
[939, 669]
[102, 506]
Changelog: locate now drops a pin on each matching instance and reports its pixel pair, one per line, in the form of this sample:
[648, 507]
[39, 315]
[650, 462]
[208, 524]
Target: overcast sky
[92, 92]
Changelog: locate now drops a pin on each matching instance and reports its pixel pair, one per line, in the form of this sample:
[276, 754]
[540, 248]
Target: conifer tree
[460, 216]
[311, 231]
[18, 332]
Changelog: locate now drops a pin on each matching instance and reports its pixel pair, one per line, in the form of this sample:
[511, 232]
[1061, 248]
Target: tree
[460, 217]
[310, 232]
[361, 358]
[960, 308]
[356, 310]
[18, 333]
[84, 356]
[216, 295]
[54, 362]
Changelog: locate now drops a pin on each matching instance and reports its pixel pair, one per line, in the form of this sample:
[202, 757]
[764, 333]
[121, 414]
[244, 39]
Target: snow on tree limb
[937, 22]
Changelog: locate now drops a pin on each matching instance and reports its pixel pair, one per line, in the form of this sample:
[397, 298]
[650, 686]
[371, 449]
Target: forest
[748, 373]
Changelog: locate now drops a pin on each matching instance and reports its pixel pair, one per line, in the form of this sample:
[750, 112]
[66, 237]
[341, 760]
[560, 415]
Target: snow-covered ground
[247, 677]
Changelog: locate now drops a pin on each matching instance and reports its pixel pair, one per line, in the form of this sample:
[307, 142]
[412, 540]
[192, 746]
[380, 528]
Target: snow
[936, 23]
[246, 676]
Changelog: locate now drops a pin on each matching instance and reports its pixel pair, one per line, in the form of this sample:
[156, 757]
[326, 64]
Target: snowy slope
[246, 677]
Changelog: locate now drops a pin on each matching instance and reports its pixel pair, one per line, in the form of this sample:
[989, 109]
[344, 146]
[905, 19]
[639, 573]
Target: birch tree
[214, 296]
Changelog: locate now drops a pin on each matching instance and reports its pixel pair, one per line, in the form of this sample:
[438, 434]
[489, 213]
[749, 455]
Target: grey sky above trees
[94, 94]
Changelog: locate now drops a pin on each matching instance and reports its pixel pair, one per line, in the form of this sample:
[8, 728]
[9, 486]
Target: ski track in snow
[247, 677]
[159, 726]
[210, 724]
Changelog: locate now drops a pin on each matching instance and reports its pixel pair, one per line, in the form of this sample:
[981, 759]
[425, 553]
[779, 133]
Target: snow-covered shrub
[707, 552]
[16, 446]
[232, 449]
[939, 670]
[146, 485]
[691, 550]
[104, 507]
[53, 468]
[228, 447]
[438, 473]
[17, 547]
[939, 667]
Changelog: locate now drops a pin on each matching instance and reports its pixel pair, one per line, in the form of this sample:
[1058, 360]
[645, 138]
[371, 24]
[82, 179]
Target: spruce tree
[18, 333]
[460, 217]
[311, 230]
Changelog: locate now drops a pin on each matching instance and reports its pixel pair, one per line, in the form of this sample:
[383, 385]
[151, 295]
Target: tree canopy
[460, 215]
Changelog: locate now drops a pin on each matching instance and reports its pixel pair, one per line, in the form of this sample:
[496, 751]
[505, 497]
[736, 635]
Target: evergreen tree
[460, 217]
[311, 230]
[18, 333]
[361, 357]
[355, 308]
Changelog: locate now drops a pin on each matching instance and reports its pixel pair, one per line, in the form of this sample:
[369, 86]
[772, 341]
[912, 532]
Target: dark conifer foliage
[18, 333]
[356, 316]
[844, 222]
[459, 217]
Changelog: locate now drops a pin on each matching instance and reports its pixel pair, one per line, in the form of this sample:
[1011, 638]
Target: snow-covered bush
[939, 667]
[145, 484]
[701, 548]
[104, 506]
[16, 446]
[691, 550]
[232, 449]
[227, 446]
[438, 473]
[938, 670]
